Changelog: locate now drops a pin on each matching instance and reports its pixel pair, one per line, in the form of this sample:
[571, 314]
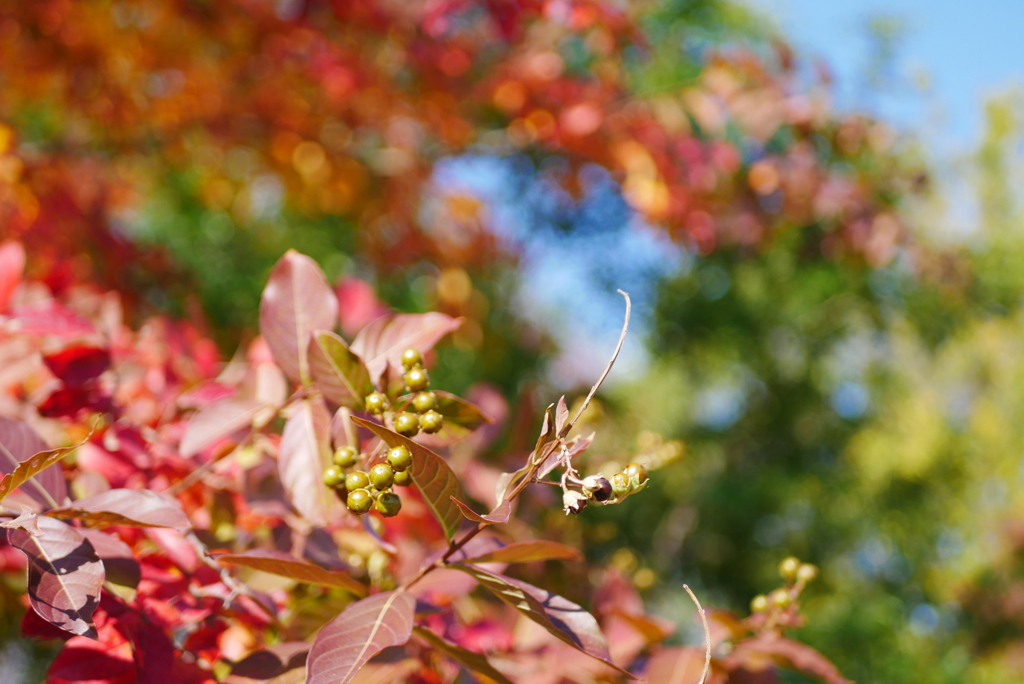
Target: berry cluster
[365, 489]
[424, 402]
[599, 488]
[780, 607]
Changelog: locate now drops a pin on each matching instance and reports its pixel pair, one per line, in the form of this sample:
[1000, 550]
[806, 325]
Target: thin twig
[707, 635]
[607, 369]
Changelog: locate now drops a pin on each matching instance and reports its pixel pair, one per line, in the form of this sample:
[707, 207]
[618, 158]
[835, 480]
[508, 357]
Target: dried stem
[707, 635]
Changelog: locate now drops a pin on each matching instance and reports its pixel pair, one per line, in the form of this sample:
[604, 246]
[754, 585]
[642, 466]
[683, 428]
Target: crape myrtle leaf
[679, 665]
[340, 374]
[19, 443]
[287, 565]
[560, 617]
[790, 654]
[343, 431]
[461, 418]
[78, 366]
[499, 516]
[540, 452]
[575, 446]
[383, 341]
[431, 475]
[561, 415]
[272, 661]
[12, 267]
[28, 521]
[29, 468]
[216, 420]
[119, 563]
[386, 672]
[64, 575]
[135, 507]
[528, 551]
[361, 631]
[474, 661]
[303, 455]
[296, 301]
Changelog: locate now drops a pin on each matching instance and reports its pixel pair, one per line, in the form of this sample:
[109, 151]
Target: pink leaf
[679, 665]
[474, 661]
[12, 266]
[304, 454]
[340, 374]
[119, 562]
[296, 301]
[363, 630]
[383, 341]
[788, 653]
[135, 507]
[27, 462]
[64, 575]
[499, 516]
[287, 565]
[217, 420]
[528, 551]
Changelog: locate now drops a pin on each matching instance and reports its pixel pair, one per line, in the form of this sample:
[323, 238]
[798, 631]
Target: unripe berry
[359, 501]
[382, 476]
[780, 598]
[399, 458]
[333, 477]
[376, 403]
[356, 480]
[424, 401]
[788, 568]
[431, 422]
[345, 457]
[416, 379]
[411, 358]
[621, 485]
[407, 424]
[806, 573]
[389, 504]
[759, 604]
[403, 479]
[636, 473]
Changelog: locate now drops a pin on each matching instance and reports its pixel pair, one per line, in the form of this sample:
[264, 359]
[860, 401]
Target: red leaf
[474, 661]
[296, 301]
[303, 455]
[383, 341]
[287, 565]
[790, 654]
[680, 665]
[357, 305]
[214, 421]
[139, 508]
[79, 365]
[559, 616]
[64, 575]
[528, 551]
[340, 374]
[27, 462]
[363, 630]
[431, 475]
[12, 266]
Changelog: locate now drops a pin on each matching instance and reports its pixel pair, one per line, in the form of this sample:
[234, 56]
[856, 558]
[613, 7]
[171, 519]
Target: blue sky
[965, 52]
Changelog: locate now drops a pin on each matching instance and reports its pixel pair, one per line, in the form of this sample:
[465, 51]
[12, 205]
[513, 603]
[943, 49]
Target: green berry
[424, 401]
[376, 403]
[333, 477]
[431, 422]
[788, 568]
[759, 604]
[388, 504]
[416, 379]
[411, 358]
[359, 501]
[399, 458]
[382, 476]
[779, 597]
[356, 480]
[407, 424]
[345, 457]
[403, 478]
[806, 573]
[621, 485]
[636, 473]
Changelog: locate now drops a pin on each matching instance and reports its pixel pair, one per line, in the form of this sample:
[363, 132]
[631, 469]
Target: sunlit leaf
[528, 551]
[287, 565]
[64, 575]
[303, 455]
[216, 420]
[12, 267]
[362, 630]
[383, 341]
[296, 301]
[272, 661]
[790, 654]
[461, 418]
[679, 665]
[474, 661]
[339, 373]
[559, 616]
[19, 444]
[431, 475]
[137, 507]
[28, 521]
[499, 516]
[122, 571]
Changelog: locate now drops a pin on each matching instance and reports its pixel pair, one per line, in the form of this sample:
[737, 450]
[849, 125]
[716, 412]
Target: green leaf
[431, 475]
[474, 661]
[286, 565]
[337, 371]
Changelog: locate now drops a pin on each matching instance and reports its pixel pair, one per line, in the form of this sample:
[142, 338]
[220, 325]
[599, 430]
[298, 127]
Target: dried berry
[598, 486]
